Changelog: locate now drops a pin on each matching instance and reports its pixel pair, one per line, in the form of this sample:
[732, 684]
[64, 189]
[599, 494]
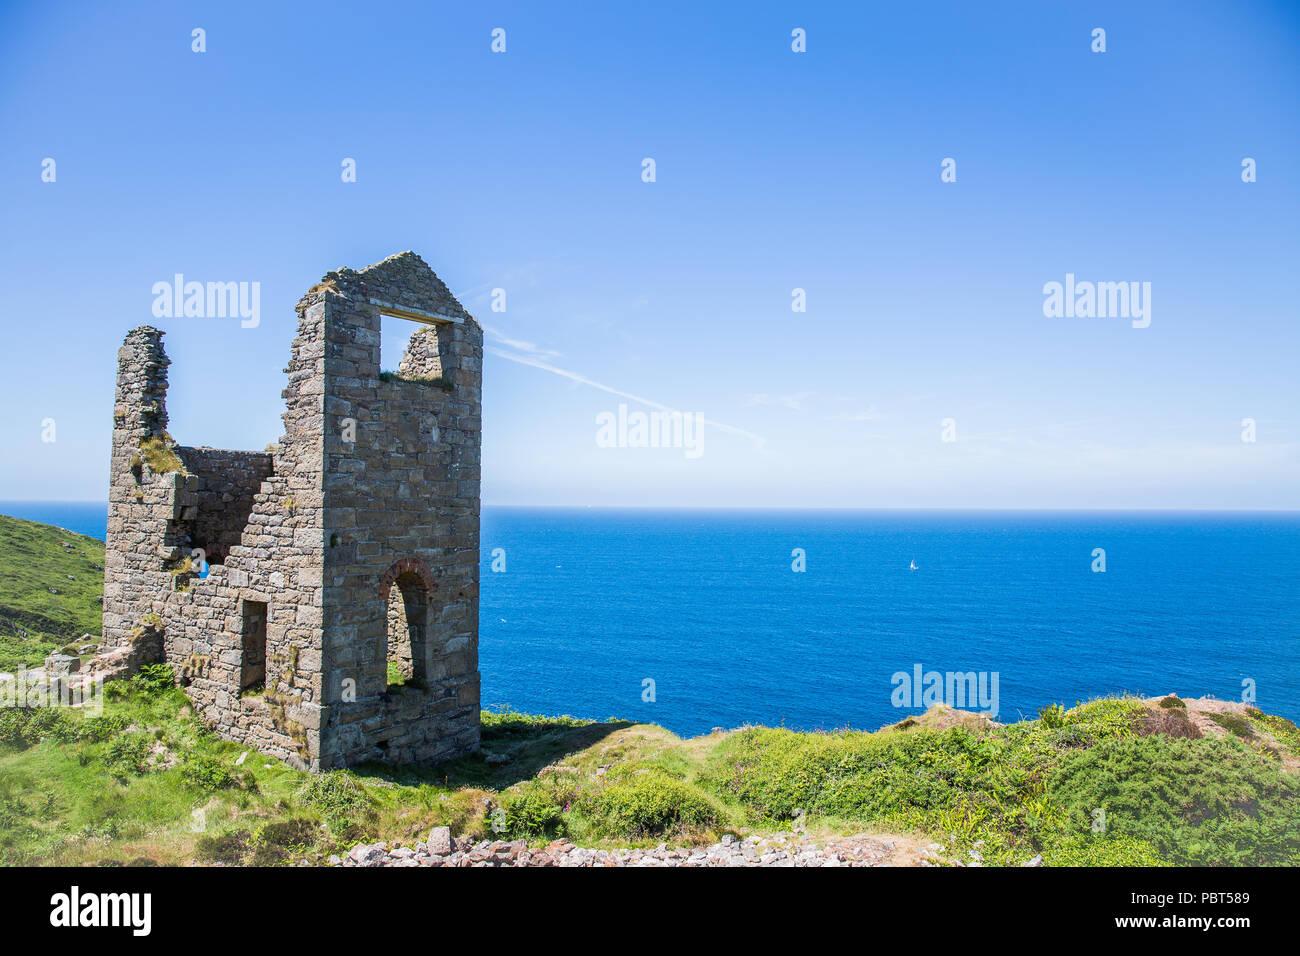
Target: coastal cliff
[1112, 781]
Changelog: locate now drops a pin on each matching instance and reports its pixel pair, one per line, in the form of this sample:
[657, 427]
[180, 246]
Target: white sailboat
[912, 566]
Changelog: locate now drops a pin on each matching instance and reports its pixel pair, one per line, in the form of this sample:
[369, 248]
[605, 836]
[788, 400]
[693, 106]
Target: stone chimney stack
[140, 410]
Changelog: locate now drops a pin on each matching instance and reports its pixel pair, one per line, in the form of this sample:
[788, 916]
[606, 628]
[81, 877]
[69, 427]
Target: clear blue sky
[775, 170]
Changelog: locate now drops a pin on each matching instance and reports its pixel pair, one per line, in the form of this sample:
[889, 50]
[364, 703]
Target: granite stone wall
[221, 495]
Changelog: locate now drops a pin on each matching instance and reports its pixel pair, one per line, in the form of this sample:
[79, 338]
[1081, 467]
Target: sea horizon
[694, 618]
[23, 507]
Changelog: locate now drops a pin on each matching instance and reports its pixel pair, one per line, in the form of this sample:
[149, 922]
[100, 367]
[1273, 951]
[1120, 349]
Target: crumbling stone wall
[424, 353]
[319, 531]
[220, 493]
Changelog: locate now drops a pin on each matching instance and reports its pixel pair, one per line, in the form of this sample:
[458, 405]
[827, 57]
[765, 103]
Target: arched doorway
[406, 592]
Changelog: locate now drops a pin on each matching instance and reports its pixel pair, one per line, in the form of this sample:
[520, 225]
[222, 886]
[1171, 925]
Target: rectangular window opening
[252, 668]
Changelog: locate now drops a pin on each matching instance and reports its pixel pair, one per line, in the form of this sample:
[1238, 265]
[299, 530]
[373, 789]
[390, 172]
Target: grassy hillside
[1180, 782]
[146, 783]
[51, 582]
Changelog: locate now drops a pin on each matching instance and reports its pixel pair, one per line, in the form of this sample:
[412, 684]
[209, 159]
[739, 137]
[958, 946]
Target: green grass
[1032, 788]
[147, 782]
[128, 786]
[396, 678]
[438, 382]
[1284, 731]
[33, 560]
[1235, 724]
[399, 682]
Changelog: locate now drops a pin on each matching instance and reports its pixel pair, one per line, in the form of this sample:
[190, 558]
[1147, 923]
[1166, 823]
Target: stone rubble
[779, 850]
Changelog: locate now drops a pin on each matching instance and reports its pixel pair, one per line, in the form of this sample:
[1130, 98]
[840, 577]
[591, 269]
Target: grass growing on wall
[160, 456]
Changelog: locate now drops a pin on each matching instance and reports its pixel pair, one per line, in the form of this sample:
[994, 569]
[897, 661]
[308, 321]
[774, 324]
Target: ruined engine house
[319, 600]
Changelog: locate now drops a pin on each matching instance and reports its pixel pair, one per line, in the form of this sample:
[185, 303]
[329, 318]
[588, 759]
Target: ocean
[697, 619]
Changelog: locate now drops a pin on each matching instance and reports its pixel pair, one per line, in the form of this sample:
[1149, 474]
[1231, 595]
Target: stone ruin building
[319, 600]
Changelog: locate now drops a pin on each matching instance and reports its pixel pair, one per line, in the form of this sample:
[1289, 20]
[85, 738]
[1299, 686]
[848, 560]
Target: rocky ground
[784, 849]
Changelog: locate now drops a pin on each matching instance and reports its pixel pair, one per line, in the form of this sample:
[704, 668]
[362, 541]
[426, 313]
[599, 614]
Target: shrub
[127, 755]
[1028, 788]
[1284, 731]
[1099, 851]
[534, 811]
[1170, 723]
[647, 804]
[109, 828]
[1107, 718]
[338, 797]
[99, 729]
[1235, 724]
[23, 727]
[1052, 716]
[206, 774]
[277, 843]
[228, 848]
[1195, 802]
[154, 679]
[1172, 701]
[864, 776]
[15, 822]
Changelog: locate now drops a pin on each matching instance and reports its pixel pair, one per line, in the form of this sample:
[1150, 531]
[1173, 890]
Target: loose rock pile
[787, 849]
